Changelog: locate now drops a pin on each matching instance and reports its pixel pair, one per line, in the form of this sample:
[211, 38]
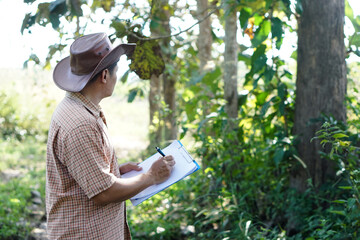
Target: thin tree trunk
[156, 123]
[204, 44]
[155, 128]
[204, 41]
[161, 16]
[320, 86]
[230, 62]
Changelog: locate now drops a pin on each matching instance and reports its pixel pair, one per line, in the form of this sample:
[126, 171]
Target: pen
[159, 151]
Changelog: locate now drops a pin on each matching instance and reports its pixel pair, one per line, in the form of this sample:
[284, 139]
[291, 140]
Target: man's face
[111, 82]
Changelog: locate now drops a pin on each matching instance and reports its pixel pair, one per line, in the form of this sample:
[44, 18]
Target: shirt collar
[77, 96]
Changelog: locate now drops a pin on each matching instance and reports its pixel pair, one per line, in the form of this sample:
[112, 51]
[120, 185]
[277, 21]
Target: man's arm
[125, 188]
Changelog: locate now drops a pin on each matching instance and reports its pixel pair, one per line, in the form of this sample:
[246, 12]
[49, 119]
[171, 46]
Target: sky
[16, 48]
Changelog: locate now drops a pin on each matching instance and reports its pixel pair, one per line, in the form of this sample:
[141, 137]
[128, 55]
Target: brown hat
[89, 55]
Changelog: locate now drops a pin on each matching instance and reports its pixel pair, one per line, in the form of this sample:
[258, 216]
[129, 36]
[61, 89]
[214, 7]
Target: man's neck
[94, 96]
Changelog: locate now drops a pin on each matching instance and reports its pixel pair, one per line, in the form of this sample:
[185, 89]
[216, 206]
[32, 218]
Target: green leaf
[125, 76]
[338, 212]
[355, 40]
[245, 13]
[261, 98]
[277, 31]
[268, 75]
[348, 10]
[278, 156]
[257, 19]
[264, 109]
[258, 59]
[298, 7]
[210, 77]
[242, 99]
[55, 21]
[58, 7]
[281, 91]
[339, 135]
[132, 94]
[261, 33]
[28, 22]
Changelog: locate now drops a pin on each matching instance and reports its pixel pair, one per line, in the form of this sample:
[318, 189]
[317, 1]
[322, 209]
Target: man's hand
[161, 169]
[127, 167]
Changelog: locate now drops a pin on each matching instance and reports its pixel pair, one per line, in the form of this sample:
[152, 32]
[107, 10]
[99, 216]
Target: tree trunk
[156, 123]
[155, 128]
[230, 62]
[320, 86]
[204, 44]
[204, 41]
[161, 16]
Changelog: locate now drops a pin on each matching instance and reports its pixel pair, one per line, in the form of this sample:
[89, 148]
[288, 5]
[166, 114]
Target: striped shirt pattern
[81, 163]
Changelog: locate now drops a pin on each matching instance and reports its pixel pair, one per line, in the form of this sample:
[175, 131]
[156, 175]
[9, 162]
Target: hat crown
[86, 52]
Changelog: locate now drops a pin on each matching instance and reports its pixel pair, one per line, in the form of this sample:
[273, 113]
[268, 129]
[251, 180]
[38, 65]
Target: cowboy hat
[89, 55]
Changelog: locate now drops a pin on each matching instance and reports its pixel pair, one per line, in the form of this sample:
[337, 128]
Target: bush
[15, 121]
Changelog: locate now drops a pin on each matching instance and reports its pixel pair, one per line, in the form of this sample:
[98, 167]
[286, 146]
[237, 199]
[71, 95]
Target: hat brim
[68, 81]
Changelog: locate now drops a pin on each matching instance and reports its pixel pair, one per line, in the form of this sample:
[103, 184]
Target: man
[85, 194]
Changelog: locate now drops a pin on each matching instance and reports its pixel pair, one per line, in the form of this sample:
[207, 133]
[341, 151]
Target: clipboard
[185, 165]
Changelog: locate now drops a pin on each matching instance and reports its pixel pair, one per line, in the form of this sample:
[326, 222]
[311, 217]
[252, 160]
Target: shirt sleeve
[86, 160]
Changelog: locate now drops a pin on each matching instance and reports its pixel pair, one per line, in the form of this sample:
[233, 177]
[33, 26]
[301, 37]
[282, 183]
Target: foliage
[26, 158]
[354, 39]
[15, 123]
[243, 189]
[346, 207]
[13, 209]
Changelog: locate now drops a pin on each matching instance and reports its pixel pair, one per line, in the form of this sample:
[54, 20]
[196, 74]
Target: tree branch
[176, 34]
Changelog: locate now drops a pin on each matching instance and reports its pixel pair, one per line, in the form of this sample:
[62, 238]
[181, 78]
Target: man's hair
[111, 69]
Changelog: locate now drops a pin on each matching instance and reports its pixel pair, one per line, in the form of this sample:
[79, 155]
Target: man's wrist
[149, 179]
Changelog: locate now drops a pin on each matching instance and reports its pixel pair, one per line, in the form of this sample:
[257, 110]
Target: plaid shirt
[81, 163]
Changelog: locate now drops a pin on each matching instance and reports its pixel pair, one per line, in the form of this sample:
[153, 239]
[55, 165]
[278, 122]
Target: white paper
[184, 165]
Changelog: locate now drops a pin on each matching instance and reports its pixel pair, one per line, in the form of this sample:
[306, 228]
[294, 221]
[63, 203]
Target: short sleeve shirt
[81, 163]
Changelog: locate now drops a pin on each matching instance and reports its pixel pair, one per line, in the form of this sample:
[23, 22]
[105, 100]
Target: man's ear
[104, 75]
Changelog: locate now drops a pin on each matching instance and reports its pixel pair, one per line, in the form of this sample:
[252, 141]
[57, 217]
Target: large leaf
[245, 13]
[261, 33]
[277, 31]
[258, 59]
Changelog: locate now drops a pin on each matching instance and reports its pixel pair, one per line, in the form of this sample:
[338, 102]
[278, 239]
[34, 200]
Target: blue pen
[159, 151]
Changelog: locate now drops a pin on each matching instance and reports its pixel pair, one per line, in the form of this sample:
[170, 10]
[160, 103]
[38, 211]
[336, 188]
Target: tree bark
[204, 44]
[155, 97]
[230, 62]
[155, 128]
[204, 41]
[161, 14]
[320, 86]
